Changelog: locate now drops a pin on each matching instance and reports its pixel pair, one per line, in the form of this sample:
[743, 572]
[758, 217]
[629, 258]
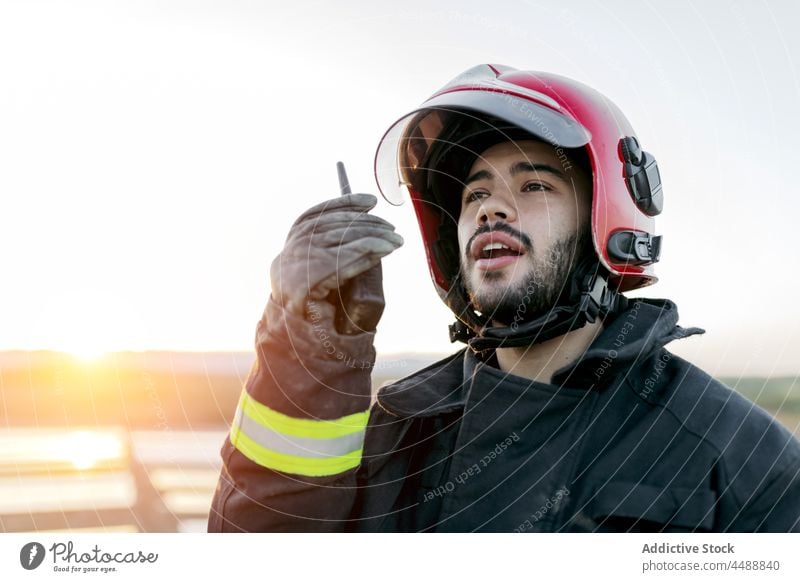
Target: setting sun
[89, 323]
[88, 353]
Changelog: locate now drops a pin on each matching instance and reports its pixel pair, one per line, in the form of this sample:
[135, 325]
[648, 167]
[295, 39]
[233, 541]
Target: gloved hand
[329, 244]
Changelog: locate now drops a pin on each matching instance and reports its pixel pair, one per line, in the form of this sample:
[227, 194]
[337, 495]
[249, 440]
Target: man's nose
[496, 208]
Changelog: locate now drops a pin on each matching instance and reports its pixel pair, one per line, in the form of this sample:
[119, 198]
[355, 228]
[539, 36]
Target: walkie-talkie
[359, 306]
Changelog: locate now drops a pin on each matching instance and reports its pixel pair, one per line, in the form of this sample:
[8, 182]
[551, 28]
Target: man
[564, 413]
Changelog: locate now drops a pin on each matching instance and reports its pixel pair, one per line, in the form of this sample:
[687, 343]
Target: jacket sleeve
[764, 470]
[295, 445]
[776, 509]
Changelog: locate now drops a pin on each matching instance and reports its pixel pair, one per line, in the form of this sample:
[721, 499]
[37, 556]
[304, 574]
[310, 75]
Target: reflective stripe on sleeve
[297, 445]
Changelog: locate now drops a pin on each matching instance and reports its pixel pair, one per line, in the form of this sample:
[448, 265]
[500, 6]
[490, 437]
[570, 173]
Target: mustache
[523, 238]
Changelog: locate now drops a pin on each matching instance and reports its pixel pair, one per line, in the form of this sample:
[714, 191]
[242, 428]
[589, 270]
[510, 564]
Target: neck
[540, 361]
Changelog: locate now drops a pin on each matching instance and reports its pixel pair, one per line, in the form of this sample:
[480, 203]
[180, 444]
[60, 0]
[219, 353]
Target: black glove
[329, 244]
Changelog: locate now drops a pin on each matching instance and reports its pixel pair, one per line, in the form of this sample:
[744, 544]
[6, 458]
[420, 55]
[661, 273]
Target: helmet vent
[642, 177]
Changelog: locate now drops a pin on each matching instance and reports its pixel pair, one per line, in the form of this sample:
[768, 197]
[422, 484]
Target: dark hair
[449, 161]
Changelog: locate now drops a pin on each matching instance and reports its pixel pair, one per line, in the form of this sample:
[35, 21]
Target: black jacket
[630, 438]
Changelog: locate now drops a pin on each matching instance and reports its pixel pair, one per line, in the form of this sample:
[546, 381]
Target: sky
[153, 155]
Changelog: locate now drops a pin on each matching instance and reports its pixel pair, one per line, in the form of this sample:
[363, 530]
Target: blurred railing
[107, 479]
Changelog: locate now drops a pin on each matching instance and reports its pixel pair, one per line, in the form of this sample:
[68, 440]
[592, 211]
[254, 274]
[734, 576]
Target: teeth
[495, 246]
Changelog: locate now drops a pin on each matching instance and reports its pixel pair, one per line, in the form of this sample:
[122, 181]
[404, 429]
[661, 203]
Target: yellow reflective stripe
[310, 467]
[302, 427]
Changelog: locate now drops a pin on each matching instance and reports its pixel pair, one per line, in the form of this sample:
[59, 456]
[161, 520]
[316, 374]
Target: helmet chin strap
[590, 298]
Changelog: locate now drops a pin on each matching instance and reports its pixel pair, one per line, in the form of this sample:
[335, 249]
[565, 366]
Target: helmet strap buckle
[597, 299]
[460, 332]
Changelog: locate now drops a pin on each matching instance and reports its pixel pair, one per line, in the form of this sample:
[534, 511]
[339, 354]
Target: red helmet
[626, 186]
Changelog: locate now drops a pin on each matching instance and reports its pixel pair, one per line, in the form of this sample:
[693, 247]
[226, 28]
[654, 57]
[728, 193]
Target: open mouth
[494, 250]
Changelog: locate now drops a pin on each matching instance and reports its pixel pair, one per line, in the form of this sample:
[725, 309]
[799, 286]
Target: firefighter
[564, 412]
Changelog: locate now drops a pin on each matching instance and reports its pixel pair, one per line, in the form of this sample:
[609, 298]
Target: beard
[537, 292]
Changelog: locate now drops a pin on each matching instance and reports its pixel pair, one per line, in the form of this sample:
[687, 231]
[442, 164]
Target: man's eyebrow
[517, 168]
[479, 175]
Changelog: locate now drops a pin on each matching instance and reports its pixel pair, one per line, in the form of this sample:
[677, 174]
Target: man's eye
[474, 195]
[535, 187]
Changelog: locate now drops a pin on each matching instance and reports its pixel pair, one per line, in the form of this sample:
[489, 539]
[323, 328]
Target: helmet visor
[414, 145]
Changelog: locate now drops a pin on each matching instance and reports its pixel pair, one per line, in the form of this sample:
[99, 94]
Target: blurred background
[130, 441]
[153, 155]
[122, 441]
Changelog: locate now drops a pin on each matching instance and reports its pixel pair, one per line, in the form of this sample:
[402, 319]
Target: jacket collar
[643, 327]
[646, 325]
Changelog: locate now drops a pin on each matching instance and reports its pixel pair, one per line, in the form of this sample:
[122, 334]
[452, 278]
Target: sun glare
[88, 354]
[89, 324]
[86, 449]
